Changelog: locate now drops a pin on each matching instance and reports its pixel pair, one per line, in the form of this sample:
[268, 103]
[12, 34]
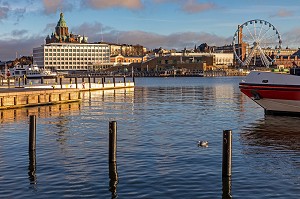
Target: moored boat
[278, 94]
[32, 72]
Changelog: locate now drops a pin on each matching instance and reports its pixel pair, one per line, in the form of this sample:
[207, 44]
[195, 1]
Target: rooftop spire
[61, 22]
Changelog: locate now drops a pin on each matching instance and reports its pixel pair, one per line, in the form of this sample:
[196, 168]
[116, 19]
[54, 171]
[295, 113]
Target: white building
[72, 56]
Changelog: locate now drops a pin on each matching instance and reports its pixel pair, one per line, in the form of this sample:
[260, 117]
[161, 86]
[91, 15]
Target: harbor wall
[43, 94]
[18, 99]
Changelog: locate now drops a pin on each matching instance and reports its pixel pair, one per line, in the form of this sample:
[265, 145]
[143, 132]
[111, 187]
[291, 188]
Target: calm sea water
[159, 123]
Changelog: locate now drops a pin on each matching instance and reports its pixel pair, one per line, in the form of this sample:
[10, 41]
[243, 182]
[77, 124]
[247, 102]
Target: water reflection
[32, 167]
[113, 176]
[13, 115]
[274, 132]
[271, 145]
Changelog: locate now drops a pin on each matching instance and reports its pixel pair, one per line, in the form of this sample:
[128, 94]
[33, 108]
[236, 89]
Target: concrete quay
[48, 94]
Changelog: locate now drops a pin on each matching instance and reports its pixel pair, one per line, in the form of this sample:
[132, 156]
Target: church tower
[61, 28]
[62, 35]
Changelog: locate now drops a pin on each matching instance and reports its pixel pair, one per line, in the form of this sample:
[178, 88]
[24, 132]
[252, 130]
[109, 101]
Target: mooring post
[226, 188]
[112, 141]
[89, 79]
[76, 82]
[227, 154]
[60, 82]
[124, 80]
[32, 133]
[102, 79]
[114, 80]
[19, 80]
[42, 80]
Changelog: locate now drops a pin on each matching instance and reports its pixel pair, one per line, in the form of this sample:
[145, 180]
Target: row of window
[130, 61]
[68, 63]
[76, 58]
[72, 67]
[225, 60]
[76, 54]
[77, 50]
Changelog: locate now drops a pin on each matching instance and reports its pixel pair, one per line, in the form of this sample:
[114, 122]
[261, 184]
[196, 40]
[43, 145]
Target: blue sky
[171, 24]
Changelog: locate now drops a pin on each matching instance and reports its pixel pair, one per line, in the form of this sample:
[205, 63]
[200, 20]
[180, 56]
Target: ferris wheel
[256, 42]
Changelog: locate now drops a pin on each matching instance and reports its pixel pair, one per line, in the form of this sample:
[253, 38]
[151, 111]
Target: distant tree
[203, 48]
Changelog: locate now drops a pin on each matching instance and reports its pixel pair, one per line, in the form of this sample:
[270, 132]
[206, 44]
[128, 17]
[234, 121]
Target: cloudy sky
[177, 24]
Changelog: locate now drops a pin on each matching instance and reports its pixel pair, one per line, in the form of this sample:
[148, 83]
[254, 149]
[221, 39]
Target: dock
[20, 94]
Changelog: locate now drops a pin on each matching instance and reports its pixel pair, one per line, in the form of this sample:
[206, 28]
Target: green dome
[61, 22]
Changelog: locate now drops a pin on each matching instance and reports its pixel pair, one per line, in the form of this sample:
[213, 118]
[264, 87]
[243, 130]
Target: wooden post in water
[89, 79]
[19, 80]
[60, 82]
[42, 80]
[227, 154]
[32, 133]
[124, 80]
[76, 82]
[226, 188]
[114, 80]
[102, 79]
[112, 141]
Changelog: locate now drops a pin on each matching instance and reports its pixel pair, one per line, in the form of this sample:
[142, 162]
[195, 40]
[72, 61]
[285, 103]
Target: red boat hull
[278, 99]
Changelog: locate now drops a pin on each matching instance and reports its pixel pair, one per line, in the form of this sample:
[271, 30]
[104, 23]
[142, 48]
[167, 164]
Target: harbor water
[159, 124]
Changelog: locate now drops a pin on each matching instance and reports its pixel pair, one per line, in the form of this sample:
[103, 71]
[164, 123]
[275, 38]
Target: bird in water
[203, 143]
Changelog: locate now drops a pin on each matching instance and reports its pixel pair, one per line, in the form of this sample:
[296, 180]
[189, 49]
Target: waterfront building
[215, 59]
[126, 60]
[65, 51]
[127, 50]
[72, 56]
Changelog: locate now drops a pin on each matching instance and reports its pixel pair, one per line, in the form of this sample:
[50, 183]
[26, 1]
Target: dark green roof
[61, 22]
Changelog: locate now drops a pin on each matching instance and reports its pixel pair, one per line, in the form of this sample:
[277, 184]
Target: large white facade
[72, 56]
